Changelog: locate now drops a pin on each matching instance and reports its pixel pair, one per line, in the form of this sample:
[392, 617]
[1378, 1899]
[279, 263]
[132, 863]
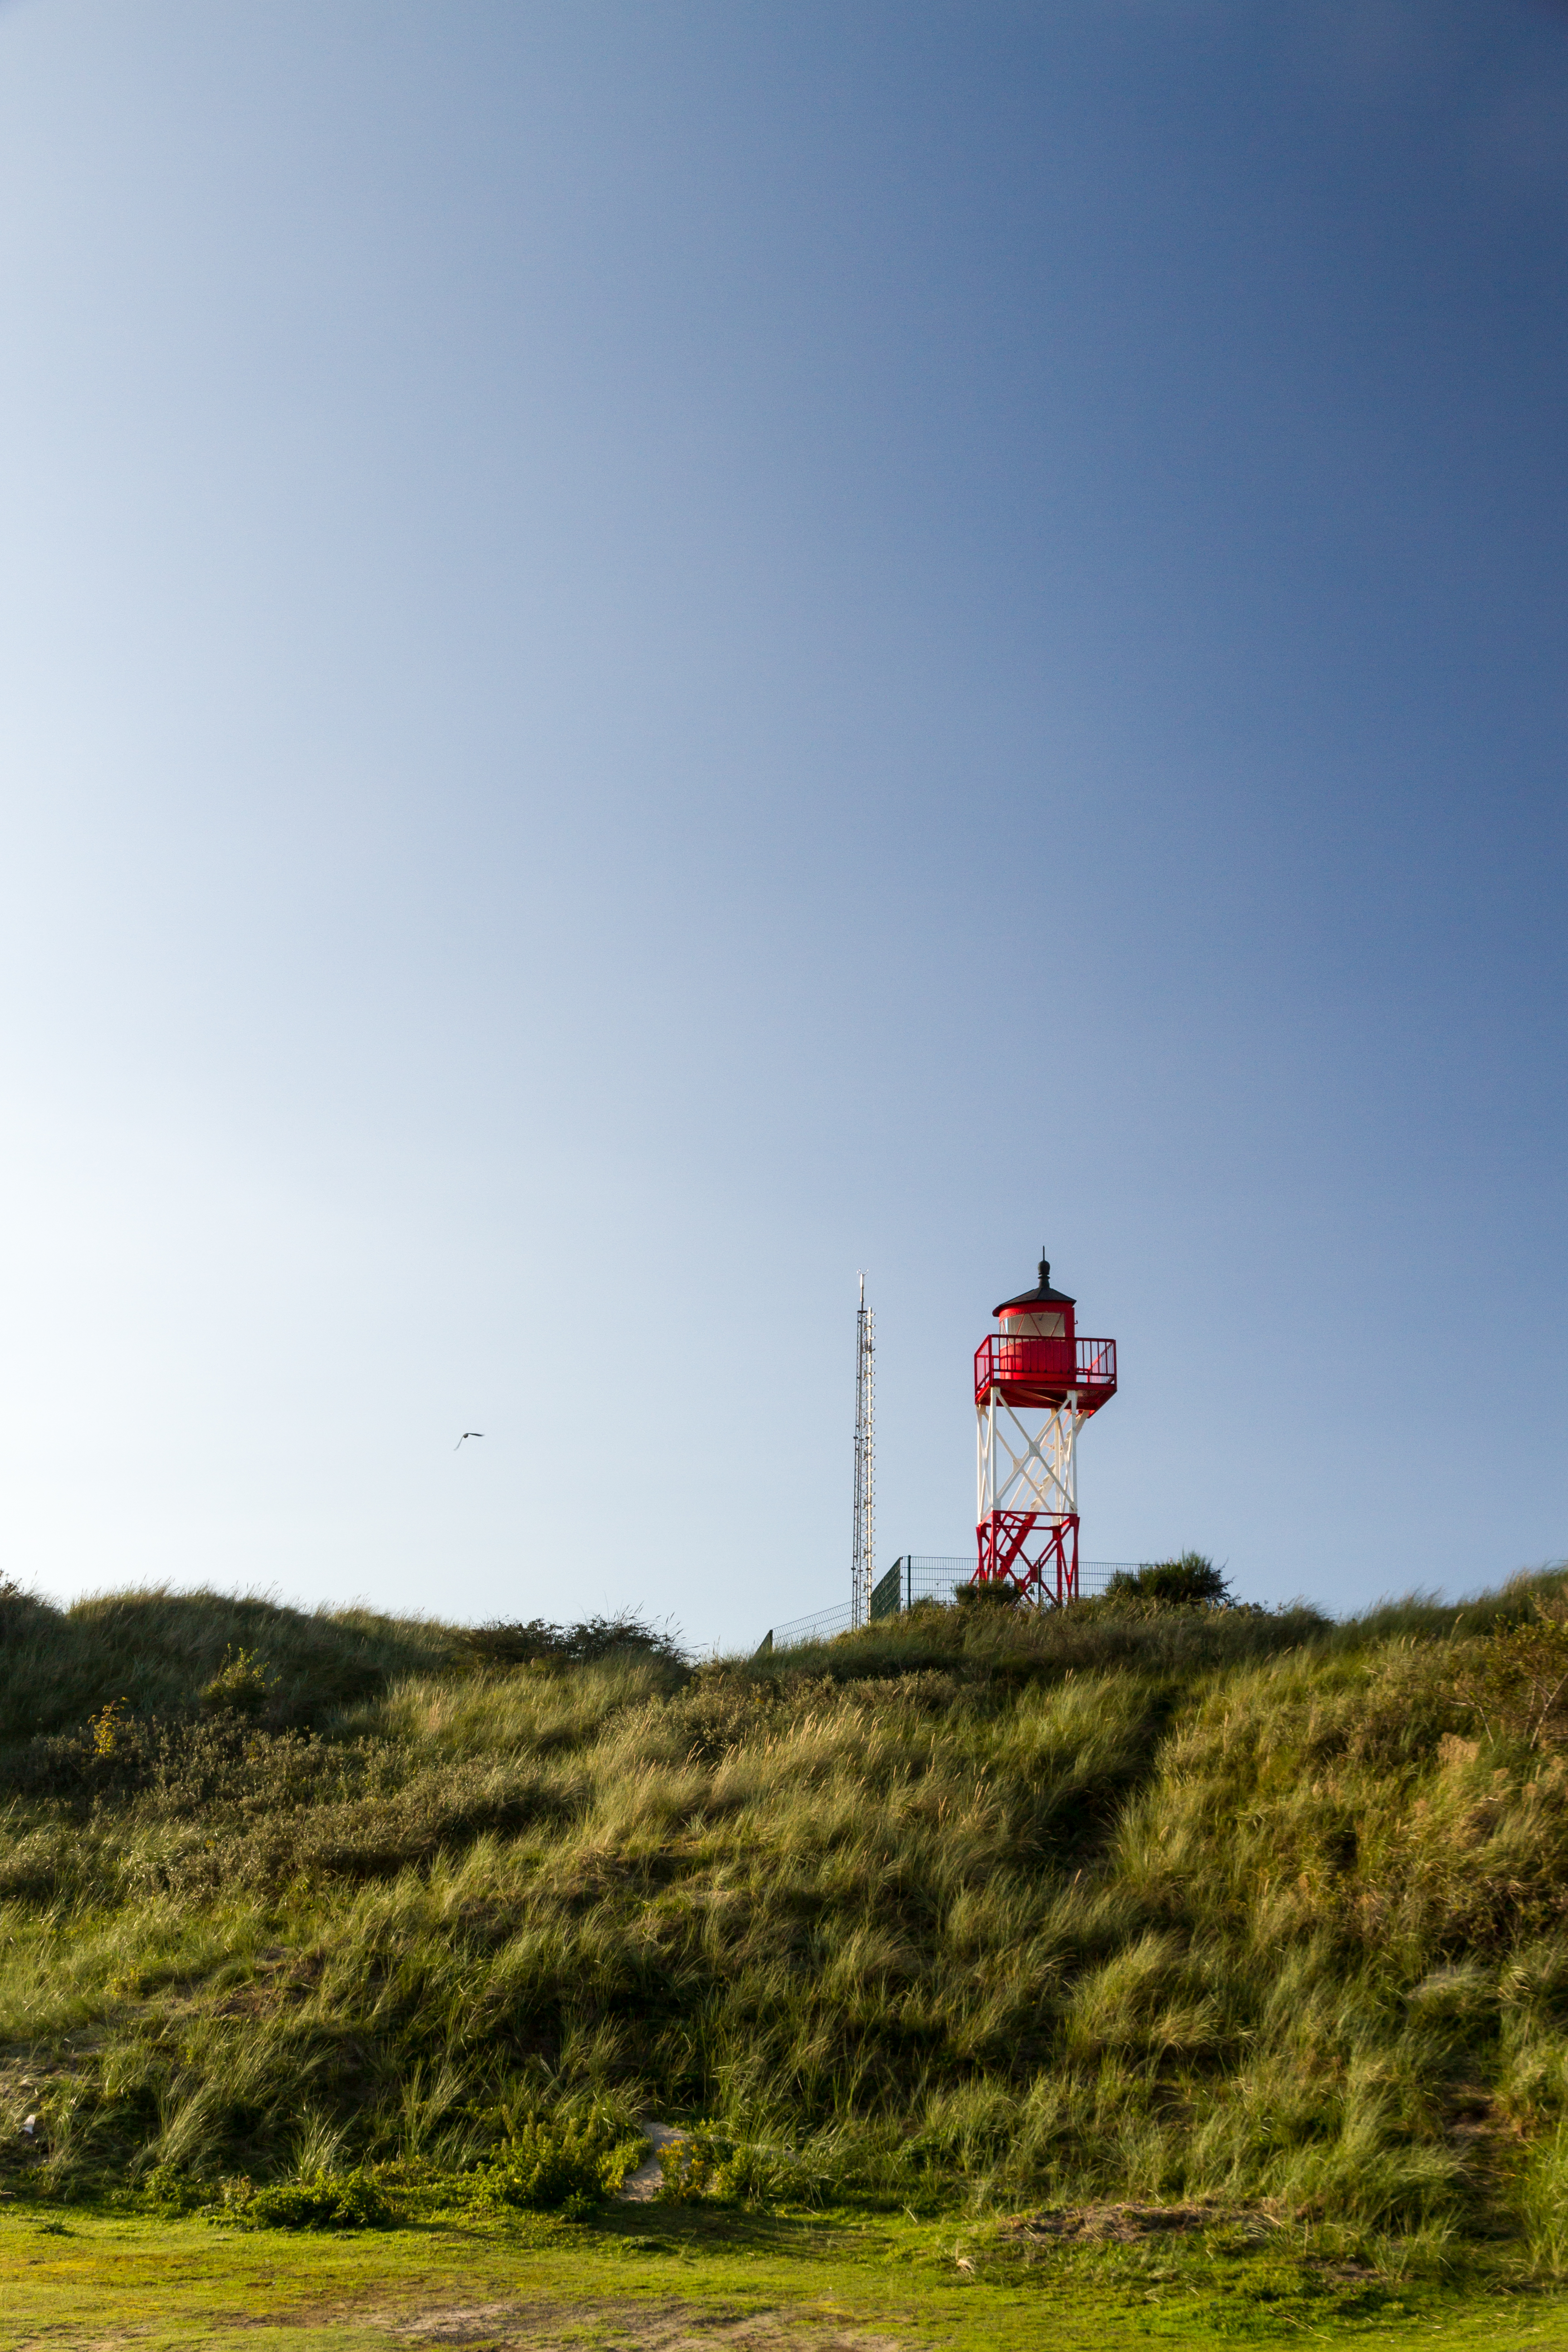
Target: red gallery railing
[1045, 1372]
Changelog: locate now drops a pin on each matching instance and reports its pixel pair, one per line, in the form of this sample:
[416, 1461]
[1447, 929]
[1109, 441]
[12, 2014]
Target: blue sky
[649, 654]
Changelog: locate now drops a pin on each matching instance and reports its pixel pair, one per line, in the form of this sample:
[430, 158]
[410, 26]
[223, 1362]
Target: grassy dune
[1128, 1901]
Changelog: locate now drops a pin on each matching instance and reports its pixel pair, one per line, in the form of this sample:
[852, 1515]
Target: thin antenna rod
[863, 1557]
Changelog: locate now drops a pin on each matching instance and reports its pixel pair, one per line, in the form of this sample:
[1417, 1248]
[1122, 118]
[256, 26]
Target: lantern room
[1039, 1314]
[1036, 1357]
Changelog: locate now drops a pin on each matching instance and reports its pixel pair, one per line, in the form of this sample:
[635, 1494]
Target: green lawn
[661, 2279]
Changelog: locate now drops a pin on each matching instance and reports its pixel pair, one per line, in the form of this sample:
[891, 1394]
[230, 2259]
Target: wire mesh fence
[934, 1576]
[921, 1575]
[820, 1628]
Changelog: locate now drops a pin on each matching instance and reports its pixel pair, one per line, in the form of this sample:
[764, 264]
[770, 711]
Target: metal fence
[920, 1576]
[820, 1628]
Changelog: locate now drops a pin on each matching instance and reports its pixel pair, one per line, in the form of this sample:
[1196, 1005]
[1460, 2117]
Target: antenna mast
[863, 1560]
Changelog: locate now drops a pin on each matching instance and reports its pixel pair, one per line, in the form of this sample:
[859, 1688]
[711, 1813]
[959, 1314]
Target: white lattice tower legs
[1028, 1461]
[1027, 1494]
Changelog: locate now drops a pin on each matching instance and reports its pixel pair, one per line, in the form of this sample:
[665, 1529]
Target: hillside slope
[1122, 1901]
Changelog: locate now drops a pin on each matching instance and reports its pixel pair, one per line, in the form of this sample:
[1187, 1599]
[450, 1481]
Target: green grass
[966, 1915]
[794, 2282]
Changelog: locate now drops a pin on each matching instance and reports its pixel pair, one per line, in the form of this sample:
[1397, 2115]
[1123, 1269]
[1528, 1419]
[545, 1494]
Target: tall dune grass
[1129, 1900]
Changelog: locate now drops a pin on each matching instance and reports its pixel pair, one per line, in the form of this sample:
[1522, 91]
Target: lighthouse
[1036, 1384]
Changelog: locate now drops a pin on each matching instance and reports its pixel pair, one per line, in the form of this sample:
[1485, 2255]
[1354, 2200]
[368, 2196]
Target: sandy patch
[639, 2326]
[641, 2187]
[558, 2326]
[1124, 2225]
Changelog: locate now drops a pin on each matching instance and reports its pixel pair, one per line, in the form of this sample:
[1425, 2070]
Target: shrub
[1517, 1678]
[719, 1714]
[107, 1728]
[186, 1766]
[597, 1638]
[241, 1685]
[547, 2167]
[709, 2164]
[173, 2190]
[1190, 1579]
[322, 2201]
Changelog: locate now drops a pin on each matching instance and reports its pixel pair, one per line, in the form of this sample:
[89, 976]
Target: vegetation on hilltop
[1190, 1578]
[1139, 1898]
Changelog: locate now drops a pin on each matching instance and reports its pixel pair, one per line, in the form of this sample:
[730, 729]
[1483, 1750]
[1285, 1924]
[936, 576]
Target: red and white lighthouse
[1036, 1384]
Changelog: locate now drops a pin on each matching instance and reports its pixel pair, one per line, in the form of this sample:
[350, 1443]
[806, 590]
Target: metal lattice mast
[863, 1557]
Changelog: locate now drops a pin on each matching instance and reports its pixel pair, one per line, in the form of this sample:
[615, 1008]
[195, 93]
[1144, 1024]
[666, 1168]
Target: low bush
[1189, 1581]
[585, 1645]
[322, 2200]
[548, 2168]
[169, 2189]
[1516, 1678]
[241, 1685]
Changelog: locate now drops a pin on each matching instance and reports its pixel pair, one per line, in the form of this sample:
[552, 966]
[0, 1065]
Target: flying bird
[466, 1435]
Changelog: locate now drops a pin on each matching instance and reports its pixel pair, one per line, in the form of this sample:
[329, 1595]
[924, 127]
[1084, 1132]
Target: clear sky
[653, 653]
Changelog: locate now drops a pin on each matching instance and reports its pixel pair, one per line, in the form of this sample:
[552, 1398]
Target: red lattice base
[1034, 1551]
